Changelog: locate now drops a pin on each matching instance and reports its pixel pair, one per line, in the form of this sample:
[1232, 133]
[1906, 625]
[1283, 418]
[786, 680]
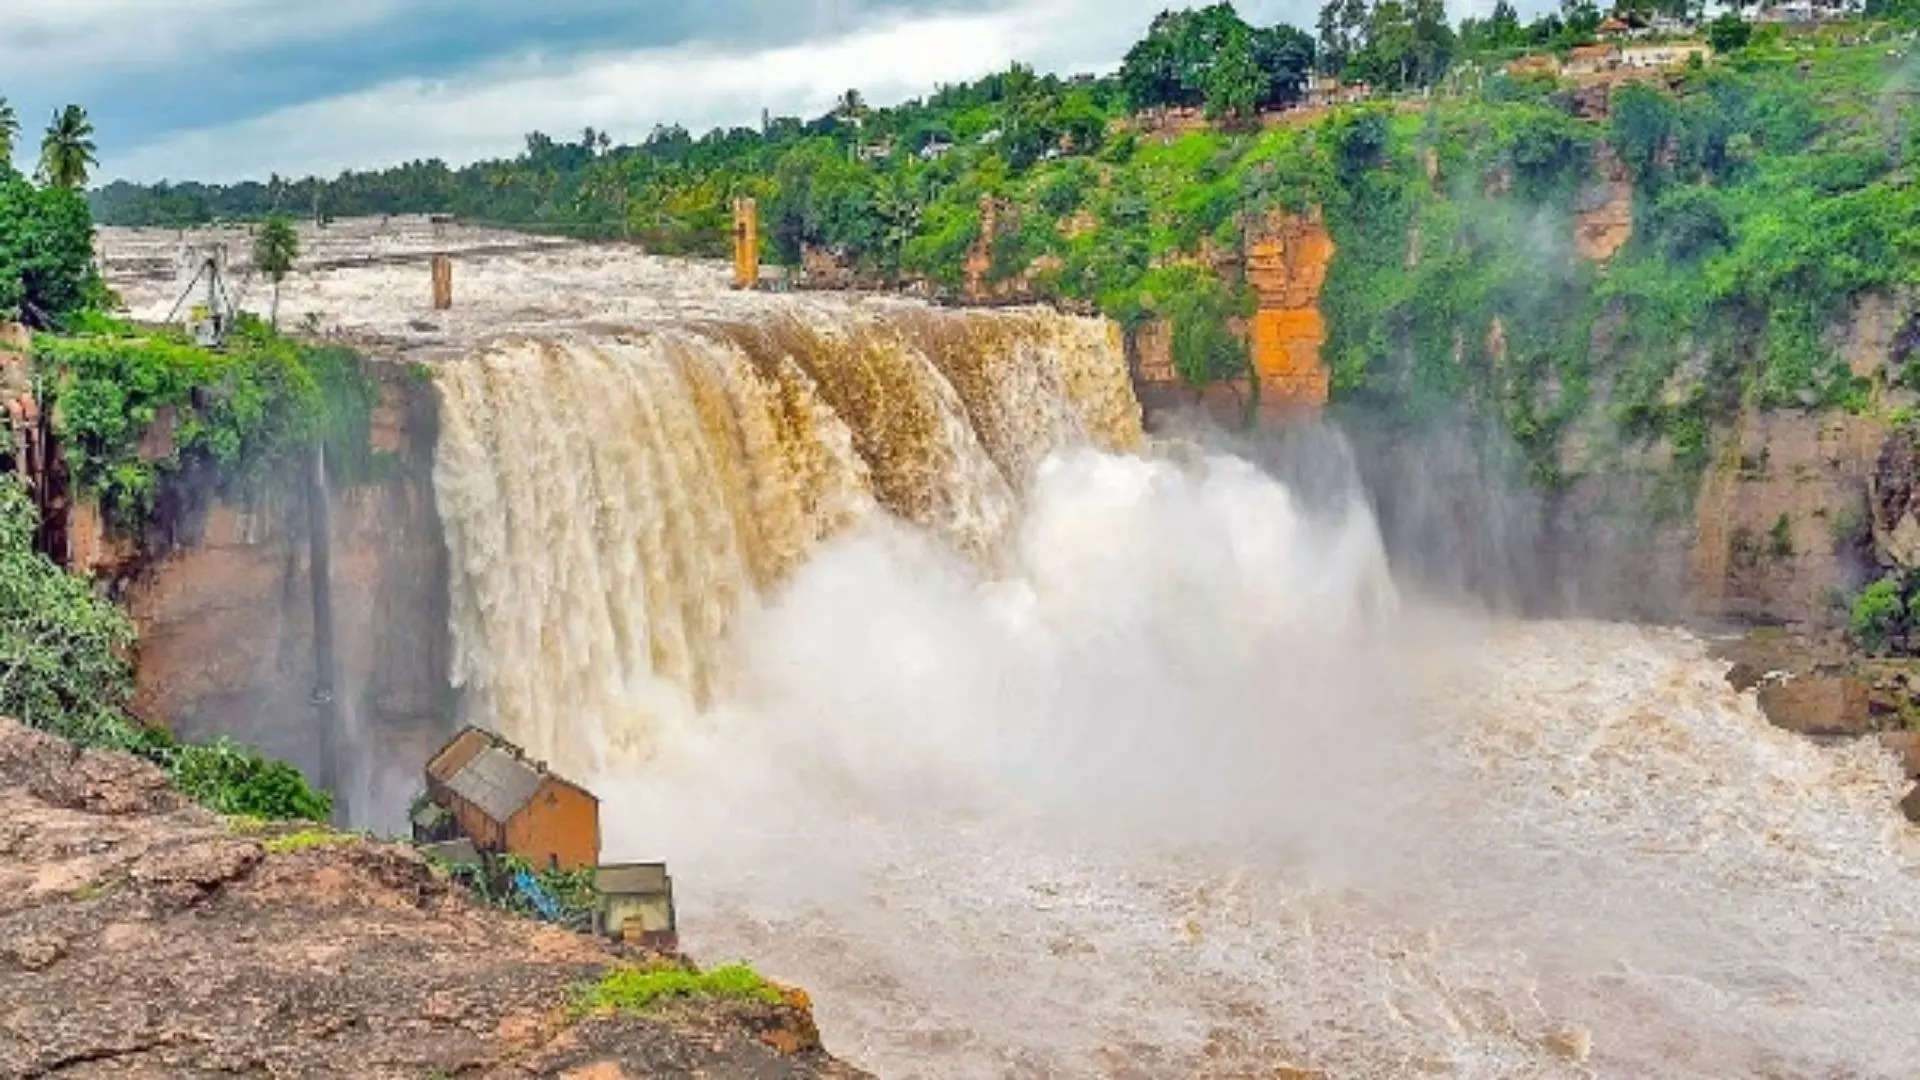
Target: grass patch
[307, 840]
[635, 989]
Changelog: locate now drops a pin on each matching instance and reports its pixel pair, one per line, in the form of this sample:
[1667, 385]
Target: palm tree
[9, 130]
[274, 250]
[66, 154]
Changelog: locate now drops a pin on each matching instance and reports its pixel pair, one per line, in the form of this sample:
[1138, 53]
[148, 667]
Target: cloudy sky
[224, 89]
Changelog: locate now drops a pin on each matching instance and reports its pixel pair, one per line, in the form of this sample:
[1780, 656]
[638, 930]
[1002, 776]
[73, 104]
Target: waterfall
[613, 499]
[1030, 757]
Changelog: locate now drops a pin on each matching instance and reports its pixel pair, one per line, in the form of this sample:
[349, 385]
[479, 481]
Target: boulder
[1910, 805]
[1818, 704]
[1904, 745]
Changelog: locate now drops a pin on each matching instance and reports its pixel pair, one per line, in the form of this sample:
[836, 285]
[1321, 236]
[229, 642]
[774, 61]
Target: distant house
[1592, 59]
[1325, 90]
[1795, 11]
[1613, 27]
[1664, 54]
[935, 149]
[879, 151]
[509, 805]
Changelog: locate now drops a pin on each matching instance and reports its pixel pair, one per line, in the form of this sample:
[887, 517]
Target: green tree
[1175, 63]
[9, 131]
[66, 153]
[1728, 32]
[1642, 122]
[46, 251]
[1285, 56]
[274, 250]
[1877, 616]
[1343, 30]
[1503, 26]
[1234, 82]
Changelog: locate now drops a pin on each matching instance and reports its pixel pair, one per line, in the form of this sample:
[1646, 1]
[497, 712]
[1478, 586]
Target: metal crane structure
[209, 322]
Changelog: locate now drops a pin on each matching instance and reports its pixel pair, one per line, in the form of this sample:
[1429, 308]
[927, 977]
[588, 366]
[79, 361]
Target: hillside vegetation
[1771, 186]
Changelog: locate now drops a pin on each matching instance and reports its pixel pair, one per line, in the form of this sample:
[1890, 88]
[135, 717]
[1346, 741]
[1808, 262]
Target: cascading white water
[613, 501]
[1029, 755]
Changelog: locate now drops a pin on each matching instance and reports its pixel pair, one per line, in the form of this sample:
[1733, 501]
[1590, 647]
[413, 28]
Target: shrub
[1780, 538]
[636, 989]
[568, 897]
[62, 647]
[241, 411]
[231, 779]
[307, 840]
[1878, 614]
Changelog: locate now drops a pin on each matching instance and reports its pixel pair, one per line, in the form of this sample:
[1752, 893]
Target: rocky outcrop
[1286, 266]
[1285, 263]
[1893, 496]
[1603, 209]
[141, 936]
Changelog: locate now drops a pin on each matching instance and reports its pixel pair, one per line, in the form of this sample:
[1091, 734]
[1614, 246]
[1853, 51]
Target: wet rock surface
[142, 936]
[1815, 686]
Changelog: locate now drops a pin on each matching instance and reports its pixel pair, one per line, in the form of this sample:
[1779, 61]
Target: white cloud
[484, 111]
[73, 40]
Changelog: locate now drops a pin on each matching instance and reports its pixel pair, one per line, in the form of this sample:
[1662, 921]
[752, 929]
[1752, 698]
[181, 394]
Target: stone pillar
[746, 244]
[1286, 263]
[442, 282]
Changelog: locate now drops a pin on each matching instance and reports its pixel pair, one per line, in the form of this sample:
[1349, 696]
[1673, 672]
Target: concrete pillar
[746, 244]
[442, 282]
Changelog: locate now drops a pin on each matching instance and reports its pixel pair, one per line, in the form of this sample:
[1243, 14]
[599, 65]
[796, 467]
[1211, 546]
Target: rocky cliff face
[1603, 211]
[223, 602]
[140, 936]
[1285, 263]
[1287, 260]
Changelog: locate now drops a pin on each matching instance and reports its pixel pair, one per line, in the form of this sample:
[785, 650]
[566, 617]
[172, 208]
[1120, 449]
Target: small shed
[636, 903]
[507, 804]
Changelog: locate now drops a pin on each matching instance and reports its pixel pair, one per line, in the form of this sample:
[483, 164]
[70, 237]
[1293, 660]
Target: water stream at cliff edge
[1029, 753]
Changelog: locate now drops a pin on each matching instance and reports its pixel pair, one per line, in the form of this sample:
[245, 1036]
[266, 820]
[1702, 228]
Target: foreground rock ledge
[141, 936]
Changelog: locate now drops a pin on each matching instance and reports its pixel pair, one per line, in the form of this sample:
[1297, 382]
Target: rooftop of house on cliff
[370, 280]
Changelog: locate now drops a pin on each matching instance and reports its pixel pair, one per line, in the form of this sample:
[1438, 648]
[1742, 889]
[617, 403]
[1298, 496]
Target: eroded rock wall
[1287, 260]
[1285, 264]
[225, 611]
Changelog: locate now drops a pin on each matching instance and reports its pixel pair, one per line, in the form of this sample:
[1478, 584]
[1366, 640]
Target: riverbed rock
[1910, 805]
[1818, 704]
[143, 936]
[1904, 745]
